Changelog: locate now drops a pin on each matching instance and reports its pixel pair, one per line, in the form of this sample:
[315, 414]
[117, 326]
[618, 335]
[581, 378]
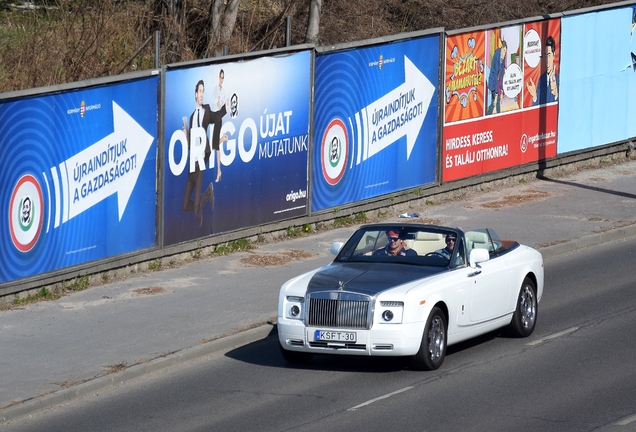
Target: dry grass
[552, 243]
[267, 260]
[149, 291]
[114, 368]
[74, 41]
[69, 43]
[528, 196]
[617, 224]
[66, 384]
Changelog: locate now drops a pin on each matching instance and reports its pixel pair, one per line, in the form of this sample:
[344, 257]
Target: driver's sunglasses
[394, 239]
[450, 239]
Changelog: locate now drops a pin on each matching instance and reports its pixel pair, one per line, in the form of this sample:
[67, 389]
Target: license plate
[326, 335]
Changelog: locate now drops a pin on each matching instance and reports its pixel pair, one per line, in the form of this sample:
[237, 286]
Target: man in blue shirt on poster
[546, 89]
[496, 76]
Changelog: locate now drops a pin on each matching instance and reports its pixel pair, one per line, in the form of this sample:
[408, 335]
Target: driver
[395, 247]
[450, 245]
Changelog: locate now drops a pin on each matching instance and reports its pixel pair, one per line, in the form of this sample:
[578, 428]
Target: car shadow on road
[474, 342]
[266, 352]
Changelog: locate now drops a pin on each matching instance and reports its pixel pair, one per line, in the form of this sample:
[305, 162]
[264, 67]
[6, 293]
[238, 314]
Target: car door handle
[475, 273]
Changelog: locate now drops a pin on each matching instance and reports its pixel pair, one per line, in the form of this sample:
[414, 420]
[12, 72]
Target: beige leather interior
[478, 240]
[424, 243]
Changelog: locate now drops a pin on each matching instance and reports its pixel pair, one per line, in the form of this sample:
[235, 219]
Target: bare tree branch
[223, 15]
[229, 20]
[216, 12]
[313, 23]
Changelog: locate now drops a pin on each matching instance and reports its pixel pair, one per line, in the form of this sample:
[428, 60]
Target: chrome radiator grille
[339, 313]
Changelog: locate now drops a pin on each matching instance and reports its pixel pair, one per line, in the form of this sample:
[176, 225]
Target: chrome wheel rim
[436, 339]
[527, 307]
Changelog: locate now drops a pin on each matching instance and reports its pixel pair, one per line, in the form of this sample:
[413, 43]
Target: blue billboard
[375, 121]
[236, 145]
[597, 100]
[79, 176]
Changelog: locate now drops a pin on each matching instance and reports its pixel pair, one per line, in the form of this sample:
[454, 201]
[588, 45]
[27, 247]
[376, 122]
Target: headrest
[477, 237]
[426, 236]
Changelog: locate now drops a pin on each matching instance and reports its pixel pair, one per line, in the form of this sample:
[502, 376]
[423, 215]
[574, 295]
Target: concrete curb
[234, 341]
[586, 241]
[59, 397]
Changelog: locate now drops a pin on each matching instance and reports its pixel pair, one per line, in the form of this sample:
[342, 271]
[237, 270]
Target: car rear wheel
[524, 319]
[295, 357]
[433, 347]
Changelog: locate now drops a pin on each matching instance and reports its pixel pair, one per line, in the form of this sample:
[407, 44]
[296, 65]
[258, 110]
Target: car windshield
[418, 245]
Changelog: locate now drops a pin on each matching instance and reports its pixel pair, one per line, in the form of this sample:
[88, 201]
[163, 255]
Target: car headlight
[391, 312]
[294, 311]
[294, 307]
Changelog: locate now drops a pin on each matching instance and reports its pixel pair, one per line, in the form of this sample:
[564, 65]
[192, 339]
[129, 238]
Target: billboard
[598, 89]
[375, 121]
[500, 98]
[253, 117]
[79, 176]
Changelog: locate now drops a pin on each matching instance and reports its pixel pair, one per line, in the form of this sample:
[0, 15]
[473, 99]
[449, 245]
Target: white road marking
[626, 421]
[379, 398]
[554, 336]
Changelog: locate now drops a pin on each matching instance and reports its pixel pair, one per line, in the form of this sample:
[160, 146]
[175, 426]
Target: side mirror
[478, 256]
[335, 247]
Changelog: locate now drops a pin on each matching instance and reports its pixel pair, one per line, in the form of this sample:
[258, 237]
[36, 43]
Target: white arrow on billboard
[398, 113]
[111, 165]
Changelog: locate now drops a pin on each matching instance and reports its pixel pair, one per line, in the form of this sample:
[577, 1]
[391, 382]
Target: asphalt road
[82, 344]
[575, 373]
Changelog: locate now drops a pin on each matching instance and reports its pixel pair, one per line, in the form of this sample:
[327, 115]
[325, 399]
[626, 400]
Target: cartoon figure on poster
[495, 77]
[196, 130]
[465, 76]
[541, 62]
[546, 90]
[505, 77]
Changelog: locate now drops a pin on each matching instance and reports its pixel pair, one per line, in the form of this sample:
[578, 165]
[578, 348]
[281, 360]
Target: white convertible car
[410, 290]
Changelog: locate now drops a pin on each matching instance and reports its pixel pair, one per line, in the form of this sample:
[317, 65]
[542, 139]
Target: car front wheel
[524, 318]
[433, 347]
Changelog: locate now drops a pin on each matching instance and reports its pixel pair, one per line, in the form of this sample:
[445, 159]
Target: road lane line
[626, 421]
[380, 398]
[554, 336]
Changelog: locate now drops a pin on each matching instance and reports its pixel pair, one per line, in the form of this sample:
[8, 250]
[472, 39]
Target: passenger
[395, 247]
[369, 245]
[370, 241]
[450, 245]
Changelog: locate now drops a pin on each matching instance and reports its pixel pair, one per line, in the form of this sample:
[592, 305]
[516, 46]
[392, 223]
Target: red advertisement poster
[498, 142]
[510, 118]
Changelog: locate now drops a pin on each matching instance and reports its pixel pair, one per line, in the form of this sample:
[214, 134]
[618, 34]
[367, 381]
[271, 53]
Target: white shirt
[218, 96]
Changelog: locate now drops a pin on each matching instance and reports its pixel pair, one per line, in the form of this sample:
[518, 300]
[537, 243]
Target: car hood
[368, 278]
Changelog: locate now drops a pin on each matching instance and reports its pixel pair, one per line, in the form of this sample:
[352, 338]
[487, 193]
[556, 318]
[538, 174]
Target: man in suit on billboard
[200, 118]
[546, 90]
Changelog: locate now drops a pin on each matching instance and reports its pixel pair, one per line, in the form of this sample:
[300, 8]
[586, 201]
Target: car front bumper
[381, 340]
